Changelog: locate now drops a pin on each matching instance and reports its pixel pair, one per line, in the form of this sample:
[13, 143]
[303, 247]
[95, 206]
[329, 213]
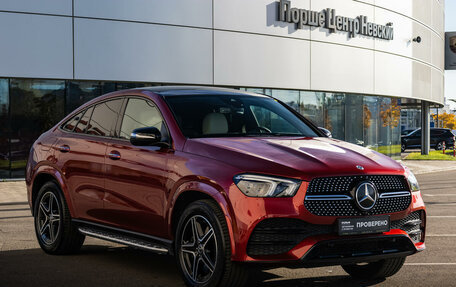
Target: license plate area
[363, 225]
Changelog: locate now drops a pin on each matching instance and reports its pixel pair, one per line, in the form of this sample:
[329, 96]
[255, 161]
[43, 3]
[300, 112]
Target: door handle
[114, 155]
[64, 148]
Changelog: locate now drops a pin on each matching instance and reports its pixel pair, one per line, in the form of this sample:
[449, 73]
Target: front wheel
[203, 249]
[375, 270]
[54, 230]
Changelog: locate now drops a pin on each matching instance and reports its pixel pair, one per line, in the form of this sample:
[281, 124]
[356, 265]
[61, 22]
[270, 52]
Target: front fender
[212, 190]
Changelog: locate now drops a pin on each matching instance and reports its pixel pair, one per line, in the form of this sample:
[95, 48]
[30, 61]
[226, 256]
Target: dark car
[438, 138]
[223, 180]
[406, 131]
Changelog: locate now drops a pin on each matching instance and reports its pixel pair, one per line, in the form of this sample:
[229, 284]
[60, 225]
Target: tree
[390, 114]
[448, 120]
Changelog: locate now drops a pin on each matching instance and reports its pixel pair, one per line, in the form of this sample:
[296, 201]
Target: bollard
[454, 150]
[443, 147]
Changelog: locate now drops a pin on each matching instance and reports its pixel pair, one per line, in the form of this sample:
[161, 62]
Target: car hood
[303, 158]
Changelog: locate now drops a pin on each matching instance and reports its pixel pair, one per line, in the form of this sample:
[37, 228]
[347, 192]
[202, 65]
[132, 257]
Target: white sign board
[450, 51]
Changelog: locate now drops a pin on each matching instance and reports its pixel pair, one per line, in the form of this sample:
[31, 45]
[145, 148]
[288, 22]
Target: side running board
[118, 237]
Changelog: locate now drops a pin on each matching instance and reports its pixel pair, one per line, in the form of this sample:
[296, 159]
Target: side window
[417, 134]
[84, 122]
[141, 113]
[104, 118]
[70, 125]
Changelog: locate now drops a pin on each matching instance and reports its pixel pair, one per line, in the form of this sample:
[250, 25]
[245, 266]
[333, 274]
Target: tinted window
[235, 115]
[83, 123]
[436, 132]
[104, 118]
[416, 133]
[69, 126]
[139, 114]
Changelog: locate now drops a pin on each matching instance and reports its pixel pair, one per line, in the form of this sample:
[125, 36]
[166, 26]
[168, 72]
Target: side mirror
[147, 136]
[326, 132]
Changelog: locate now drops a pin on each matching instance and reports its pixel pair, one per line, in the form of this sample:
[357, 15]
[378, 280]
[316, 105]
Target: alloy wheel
[198, 252]
[48, 218]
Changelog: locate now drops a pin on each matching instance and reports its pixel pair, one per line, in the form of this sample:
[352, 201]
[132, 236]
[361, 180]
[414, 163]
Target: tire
[54, 230]
[375, 270]
[403, 147]
[439, 146]
[214, 249]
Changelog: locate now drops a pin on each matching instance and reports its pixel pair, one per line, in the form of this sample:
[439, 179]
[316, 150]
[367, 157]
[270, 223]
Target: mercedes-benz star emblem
[365, 196]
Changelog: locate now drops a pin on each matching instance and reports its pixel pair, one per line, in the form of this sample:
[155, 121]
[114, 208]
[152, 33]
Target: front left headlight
[266, 186]
[412, 181]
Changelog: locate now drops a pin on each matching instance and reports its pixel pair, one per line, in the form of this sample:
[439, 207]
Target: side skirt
[121, 236]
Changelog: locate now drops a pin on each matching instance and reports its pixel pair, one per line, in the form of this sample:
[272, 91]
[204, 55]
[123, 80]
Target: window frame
[113, 129]
[122, 113]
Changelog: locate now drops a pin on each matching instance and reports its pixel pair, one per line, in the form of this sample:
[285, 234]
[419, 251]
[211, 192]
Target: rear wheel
[439, 146]
[203, 249]
[54, 230]
[375, 270]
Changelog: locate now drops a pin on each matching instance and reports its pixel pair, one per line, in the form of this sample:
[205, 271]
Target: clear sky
[450, 26]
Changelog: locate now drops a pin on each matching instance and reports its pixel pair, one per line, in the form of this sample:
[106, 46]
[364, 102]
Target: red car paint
[138, 192]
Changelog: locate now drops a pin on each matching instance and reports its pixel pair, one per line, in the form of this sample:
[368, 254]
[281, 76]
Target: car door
[136, 176]
[414, 140]
[80, 155]
[435, 137]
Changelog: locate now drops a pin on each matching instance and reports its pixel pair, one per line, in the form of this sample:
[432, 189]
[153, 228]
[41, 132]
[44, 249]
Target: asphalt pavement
[100, 263]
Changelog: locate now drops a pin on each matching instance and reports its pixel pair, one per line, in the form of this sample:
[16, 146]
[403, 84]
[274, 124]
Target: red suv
[223, 180]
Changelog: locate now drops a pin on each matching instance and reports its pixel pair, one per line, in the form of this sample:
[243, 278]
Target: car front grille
[331, 196]
[333, 252]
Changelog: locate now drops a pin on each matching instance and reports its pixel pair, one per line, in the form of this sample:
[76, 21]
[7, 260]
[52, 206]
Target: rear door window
[104, 118]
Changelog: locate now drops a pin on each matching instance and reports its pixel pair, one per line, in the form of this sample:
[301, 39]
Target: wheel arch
[193, 191]
[44, 175]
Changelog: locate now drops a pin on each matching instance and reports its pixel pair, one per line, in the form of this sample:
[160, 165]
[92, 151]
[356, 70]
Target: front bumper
[298, 240]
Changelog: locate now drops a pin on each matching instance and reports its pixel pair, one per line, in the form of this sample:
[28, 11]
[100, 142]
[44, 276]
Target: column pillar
[425, 128]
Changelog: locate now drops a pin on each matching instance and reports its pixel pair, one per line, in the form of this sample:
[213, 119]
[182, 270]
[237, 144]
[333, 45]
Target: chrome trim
[328, 197]
[395, 194]
[121, 241]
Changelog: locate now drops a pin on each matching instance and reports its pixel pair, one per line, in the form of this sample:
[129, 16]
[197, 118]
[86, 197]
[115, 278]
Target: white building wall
[225, 42]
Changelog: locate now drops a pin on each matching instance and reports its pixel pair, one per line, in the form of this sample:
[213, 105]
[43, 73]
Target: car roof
[195, 90]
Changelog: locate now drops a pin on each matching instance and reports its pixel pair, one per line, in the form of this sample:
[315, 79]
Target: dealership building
[350, 66]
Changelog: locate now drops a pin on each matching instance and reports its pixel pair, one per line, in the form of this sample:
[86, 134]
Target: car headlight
[412, 181]
[266, 186]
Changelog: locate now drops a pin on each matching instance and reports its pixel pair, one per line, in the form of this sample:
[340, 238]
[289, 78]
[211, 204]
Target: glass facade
[369, 121]
[29, 107]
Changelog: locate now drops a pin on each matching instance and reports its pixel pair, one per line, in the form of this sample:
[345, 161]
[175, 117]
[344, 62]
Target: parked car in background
[406, 132]
[223, 180]
[439, 137]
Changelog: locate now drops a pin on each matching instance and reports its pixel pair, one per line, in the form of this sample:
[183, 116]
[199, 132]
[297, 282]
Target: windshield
[235, 115]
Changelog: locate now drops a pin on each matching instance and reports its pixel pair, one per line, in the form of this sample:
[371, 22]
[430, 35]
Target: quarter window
[141, 113]
[71, 124]
[84, 122]
[104, 118]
